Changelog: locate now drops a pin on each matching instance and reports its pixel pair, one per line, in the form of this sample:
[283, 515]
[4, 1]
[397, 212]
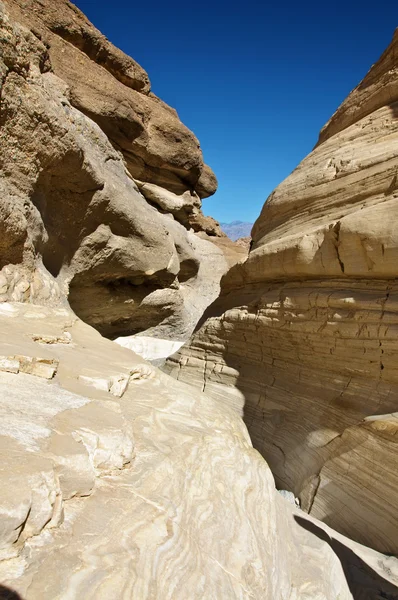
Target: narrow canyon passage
[277, 351]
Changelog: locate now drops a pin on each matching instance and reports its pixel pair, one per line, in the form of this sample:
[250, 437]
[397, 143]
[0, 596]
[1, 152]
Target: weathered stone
[66, 338]
[178, 205]
[113, 90]
[33, 365]
[118, 385]
[207, 183]
[103, 496]
[233, 251]
[75, 221]
[116, 481]
[96, 382]
[303, 339]
[10, 365]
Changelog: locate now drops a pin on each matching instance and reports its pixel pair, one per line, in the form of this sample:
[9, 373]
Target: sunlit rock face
[153, 349]
[303, 340]
[117, 481]
[101, 182]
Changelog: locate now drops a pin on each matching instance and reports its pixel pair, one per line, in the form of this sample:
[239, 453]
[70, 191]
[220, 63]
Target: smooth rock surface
[153, 349]
[155, 494]
[303, 340]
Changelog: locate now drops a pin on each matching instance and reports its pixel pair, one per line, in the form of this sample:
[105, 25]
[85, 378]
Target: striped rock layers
[304, 337]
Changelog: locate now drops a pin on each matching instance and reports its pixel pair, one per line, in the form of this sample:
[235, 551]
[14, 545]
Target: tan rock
[244, 242]
[199, 222]
[115, 384]
[96, 382]
[207, 183]
[76, 224]
[30, 498]
[303, 341]
[233, 251]
[113, 90]
[117, 481]
[118, 385]
[180, 206]
[66, 338]
[377, 89]
[10, 365]
[34, 365]
[105, 496]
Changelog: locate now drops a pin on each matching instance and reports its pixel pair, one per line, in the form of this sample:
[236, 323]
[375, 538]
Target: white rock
[11, 365]
[150, 348]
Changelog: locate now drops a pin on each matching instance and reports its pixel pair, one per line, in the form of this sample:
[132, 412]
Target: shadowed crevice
[8, 594]
[363, 581]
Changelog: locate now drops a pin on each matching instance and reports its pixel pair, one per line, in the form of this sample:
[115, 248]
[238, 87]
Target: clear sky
[255, 81]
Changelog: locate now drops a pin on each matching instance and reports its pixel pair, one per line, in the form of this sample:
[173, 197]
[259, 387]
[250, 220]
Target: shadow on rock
[363, 581]
[7, 594]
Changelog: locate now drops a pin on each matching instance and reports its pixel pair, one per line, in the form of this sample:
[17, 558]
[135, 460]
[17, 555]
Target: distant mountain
[236, 229]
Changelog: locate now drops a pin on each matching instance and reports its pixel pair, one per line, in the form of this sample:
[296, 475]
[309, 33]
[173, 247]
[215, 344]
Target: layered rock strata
[116, 481]
[100, 181]
[303, 340]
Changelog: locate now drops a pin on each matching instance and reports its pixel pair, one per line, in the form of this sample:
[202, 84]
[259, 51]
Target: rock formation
[303, 340]
[101, 182]
[116, 480]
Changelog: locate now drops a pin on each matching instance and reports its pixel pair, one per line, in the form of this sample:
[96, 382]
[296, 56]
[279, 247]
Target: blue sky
[254, 82]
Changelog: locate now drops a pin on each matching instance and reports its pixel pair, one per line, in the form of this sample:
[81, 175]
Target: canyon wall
[101, 182]
[116, 480]
[303, 339]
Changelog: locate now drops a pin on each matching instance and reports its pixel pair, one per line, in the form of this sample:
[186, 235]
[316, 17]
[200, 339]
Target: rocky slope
[101, 182]
[303, 340]
[119, 482]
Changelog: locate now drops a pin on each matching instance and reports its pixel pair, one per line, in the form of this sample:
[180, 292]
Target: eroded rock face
[74, 223]
[106, 493]
[303, 340]
[116, 481]
[113, 90]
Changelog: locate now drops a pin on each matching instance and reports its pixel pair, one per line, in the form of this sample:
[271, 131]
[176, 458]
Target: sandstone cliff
[101, 182]
[303, 340]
